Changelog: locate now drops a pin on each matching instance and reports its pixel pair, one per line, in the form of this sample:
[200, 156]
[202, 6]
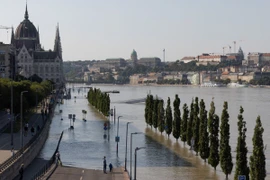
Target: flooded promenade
[163, 158]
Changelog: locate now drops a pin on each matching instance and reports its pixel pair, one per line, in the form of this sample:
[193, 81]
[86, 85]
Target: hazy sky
[100, 29]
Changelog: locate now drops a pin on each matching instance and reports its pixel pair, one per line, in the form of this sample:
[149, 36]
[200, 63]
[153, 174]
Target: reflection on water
[163, 158]
[196, 168]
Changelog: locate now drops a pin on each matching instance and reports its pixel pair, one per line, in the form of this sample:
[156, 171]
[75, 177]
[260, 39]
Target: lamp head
[137, 133]
[138, 148]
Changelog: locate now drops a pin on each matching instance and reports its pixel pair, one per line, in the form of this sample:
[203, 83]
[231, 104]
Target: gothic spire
[57, 42]
[26, 16]
[38, 35]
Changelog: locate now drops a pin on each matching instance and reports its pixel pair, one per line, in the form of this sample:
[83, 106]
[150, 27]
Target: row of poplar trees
[206, 137]
[100, 100]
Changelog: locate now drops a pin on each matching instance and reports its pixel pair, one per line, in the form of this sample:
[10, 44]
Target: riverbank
[173, 85]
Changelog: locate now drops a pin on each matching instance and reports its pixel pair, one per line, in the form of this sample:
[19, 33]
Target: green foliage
[184, 123]
[261, 81]
[177, 118]
[99, 100]
[196, 126]
[257, 159]
[204, 136]
[155, 113]
[190, 124]
[241, 149]
[161, 120]
[39, 90]
[150, 111]
[213, 127]
[225, 148]
[168, 126]
[146, 109]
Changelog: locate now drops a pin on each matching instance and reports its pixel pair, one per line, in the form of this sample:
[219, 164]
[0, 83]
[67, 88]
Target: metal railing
[49, 164]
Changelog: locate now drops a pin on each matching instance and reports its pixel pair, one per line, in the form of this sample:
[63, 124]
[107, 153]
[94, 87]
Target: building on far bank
[211, 58]
[188, 59]
[150, 62]
[254, 57]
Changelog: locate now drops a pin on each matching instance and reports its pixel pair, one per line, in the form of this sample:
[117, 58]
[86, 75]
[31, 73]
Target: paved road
[4, 119]
[70, 173]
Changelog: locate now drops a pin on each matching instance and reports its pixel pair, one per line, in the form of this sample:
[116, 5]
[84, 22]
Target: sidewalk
[65, 172]
[5, 138]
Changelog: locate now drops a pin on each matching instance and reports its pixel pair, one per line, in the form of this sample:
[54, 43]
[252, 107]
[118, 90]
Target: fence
[49, 164]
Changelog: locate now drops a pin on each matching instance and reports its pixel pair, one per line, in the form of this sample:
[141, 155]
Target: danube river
[162, 158]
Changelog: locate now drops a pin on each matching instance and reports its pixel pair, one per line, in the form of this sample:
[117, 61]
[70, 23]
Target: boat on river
[237, 85]
[212, 84]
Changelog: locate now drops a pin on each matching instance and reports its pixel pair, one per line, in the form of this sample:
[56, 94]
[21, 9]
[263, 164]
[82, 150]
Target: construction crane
[224, 50]
[234, 47]
[234, 42]
[6, 28]
[230, 48]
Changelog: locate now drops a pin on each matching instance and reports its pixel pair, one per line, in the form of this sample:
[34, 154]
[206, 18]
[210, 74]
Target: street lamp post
[135, 161]
[131, 153]
[126, 146]
[11, 113]
[22, 117]
[117, 138]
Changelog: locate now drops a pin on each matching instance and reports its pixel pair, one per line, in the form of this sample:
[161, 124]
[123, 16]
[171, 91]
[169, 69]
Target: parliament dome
[26, 29]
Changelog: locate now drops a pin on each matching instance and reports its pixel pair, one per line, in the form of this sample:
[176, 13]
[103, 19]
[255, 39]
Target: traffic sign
[117, 138]
[111, 112]
[105, 124]
[105, 128]
[242, 177]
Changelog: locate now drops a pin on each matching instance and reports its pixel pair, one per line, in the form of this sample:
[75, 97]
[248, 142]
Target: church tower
[241, 54]
[57, 43]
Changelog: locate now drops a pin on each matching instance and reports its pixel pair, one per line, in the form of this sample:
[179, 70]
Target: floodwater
[163, 157]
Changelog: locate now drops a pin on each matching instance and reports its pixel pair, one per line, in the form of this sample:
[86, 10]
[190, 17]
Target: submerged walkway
[71, 173]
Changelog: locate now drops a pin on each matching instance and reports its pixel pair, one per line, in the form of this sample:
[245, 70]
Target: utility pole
[234, 42]
[12, 73]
